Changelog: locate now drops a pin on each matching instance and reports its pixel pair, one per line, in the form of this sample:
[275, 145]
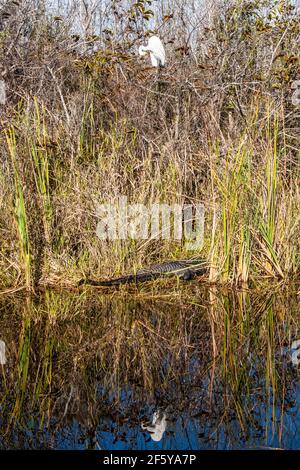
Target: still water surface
[193, 370]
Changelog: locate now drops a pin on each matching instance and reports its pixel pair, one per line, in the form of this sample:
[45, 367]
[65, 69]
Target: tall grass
[245, 235]
[19, 208]
[40, 164]
[269, 203]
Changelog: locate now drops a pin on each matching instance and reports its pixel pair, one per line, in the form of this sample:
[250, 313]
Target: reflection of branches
[115, 362]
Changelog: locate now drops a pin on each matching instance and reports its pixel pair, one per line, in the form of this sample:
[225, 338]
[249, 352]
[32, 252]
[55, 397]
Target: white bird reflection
[158, 426]
[2, 353]
[295, 352]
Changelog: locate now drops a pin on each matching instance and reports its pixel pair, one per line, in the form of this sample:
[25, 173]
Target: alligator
[185, 269]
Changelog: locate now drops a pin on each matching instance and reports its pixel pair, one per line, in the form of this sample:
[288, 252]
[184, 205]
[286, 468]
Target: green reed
[20, 208]
[38, 148]
[269, 201]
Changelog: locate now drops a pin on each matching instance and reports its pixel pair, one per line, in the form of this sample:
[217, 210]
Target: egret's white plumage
[157, 51]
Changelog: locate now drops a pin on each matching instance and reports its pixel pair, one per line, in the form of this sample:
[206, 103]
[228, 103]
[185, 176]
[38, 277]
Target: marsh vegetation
[86, 120]
[86, 372]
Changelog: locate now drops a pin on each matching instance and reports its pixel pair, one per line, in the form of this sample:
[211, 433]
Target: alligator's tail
[109, 282]
[130, 278]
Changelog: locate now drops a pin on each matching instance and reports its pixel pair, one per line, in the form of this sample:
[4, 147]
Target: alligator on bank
[185, 269]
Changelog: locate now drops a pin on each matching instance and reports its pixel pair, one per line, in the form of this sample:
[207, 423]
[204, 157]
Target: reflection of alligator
[185, 269]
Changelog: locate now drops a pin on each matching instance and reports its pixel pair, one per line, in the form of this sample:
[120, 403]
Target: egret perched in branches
[157, 51]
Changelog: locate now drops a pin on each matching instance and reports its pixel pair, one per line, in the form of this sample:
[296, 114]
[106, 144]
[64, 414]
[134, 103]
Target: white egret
[157, 51]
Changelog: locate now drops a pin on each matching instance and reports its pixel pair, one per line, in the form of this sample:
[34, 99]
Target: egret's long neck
[143, 50]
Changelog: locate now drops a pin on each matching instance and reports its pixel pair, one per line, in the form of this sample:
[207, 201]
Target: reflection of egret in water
[295, 350]
[2, 353]
[86, 405]
[158, 426]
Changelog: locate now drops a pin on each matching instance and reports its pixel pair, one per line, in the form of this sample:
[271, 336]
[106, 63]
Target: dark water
[195, 370]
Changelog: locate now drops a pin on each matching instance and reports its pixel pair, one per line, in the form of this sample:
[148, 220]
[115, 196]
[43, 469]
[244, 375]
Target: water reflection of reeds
[88, 370]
